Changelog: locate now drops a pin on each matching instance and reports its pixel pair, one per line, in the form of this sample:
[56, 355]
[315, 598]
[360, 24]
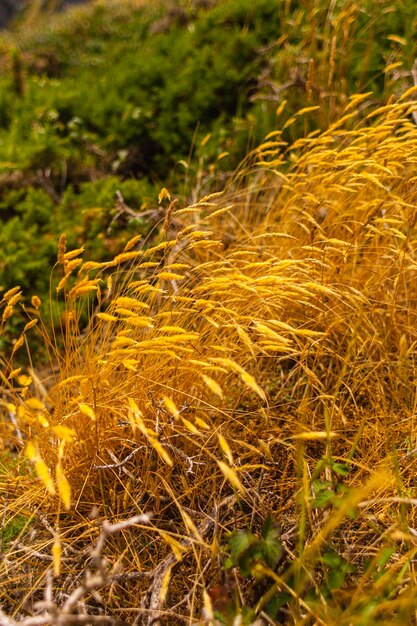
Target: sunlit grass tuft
[259, 357]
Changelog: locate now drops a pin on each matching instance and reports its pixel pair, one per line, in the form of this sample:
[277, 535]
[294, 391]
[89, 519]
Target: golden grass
[266, 339]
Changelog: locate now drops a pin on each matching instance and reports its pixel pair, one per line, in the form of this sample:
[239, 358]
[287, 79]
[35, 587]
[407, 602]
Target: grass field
[220, 430]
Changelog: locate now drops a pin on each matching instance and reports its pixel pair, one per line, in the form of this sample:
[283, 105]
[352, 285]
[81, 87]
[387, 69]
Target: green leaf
[270, 529]
[239, 543]
[342, 469]
[271, 546]
[335, 579]
[272, 552]
[381, 560]
[324, 493]
[332, 559]
[279, 600]
[228, 564]
[250, 557]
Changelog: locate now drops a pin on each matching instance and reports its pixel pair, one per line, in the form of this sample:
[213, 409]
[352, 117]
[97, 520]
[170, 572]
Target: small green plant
[329, 491]
[246, 549]
[249, 552]
[262, 558]
[13, 527]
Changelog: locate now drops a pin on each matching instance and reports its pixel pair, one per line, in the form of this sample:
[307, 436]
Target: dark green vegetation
[131, 97]
[131, 100]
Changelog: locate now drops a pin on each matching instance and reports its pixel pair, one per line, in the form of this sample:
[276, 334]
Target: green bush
[130, 99]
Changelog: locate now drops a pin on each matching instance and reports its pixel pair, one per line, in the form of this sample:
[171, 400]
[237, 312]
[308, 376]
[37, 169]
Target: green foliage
[12, 529]
[272, 572]
[31, 221]
[13, 525]
[335, 570]
[246, 552]
[329, 492]
[26, 215]
[166, 80]
[246, 549]
[137, 106]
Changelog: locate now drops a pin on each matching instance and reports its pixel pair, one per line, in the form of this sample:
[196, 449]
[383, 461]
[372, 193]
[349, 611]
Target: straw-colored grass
[261, 352]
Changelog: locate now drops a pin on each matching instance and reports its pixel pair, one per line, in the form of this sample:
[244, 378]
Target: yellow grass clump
[258, 356]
